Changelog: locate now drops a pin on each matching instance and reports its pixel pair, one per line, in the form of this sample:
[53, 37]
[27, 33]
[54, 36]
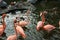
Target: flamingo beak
[40, 14]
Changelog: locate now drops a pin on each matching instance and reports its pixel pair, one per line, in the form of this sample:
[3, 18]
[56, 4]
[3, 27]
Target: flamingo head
[43, 13]
[3, 15]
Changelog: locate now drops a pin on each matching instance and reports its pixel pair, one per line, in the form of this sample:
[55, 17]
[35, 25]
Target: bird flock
[19, 25]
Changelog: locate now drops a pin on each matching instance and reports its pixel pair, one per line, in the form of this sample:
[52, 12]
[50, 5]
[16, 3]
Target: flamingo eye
[40, 14]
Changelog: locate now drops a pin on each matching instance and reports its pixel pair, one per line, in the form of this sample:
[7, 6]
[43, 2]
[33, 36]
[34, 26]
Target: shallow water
[31, 34]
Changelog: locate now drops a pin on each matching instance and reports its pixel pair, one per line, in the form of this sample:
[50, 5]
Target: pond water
[31, 34]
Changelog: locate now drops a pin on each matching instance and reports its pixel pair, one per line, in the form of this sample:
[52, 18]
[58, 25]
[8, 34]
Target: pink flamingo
[40, 23]
[13, 37]
[47, 27]
[3, 26]
[23, 22]
[18, 30]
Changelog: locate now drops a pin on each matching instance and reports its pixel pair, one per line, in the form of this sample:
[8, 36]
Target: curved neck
[4, 24]
[43, 17]
[15, 28]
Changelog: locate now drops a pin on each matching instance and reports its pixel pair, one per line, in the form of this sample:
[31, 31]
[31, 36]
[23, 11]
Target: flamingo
[47, 27]
[40, 23]
[14, 36]
[3, 26]
[18, 30]
[23, 22]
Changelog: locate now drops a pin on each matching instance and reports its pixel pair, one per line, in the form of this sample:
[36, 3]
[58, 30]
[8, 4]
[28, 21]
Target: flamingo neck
[43, 17]
[4, 25]
[3, 21]
[15, 28]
